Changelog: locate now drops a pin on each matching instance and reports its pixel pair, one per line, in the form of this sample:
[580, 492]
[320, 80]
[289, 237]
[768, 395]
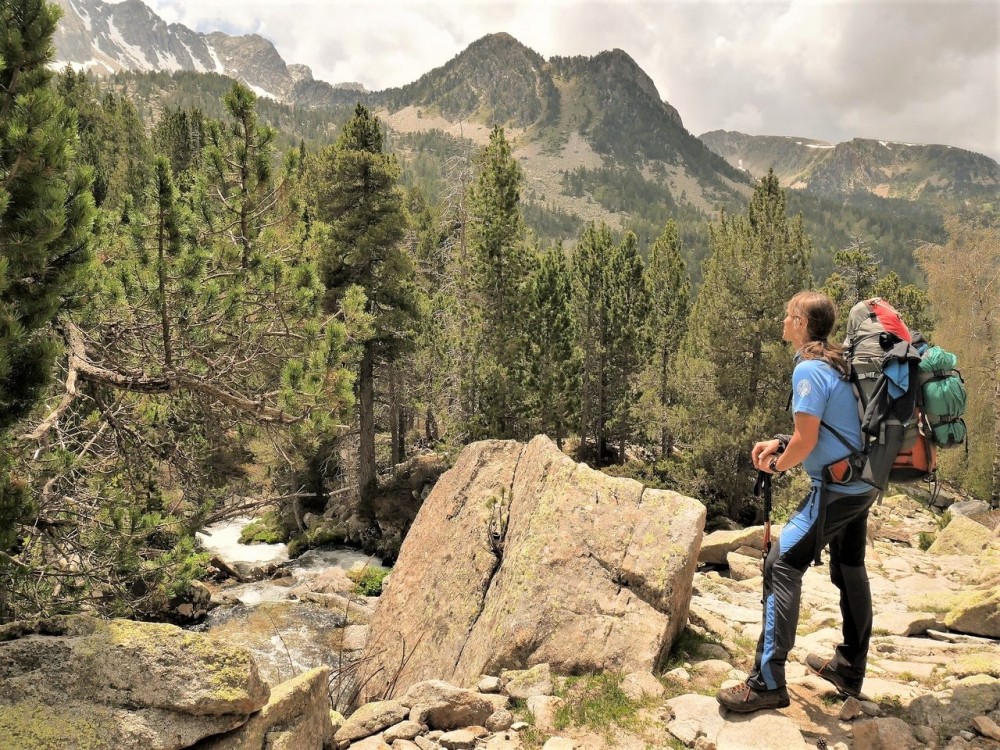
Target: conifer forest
[201, 313]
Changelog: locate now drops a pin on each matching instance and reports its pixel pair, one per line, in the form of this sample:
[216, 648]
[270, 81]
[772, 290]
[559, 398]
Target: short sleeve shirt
[819, 390]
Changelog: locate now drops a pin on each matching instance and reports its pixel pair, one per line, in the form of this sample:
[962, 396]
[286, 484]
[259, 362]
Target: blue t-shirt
[819, 390]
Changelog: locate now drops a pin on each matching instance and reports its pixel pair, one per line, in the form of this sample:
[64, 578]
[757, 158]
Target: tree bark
[396, 420]
[367, 483]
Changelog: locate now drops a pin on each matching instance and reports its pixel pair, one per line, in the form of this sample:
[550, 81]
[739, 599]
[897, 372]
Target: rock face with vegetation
[82, 682]
[521, 556]
[88, 684]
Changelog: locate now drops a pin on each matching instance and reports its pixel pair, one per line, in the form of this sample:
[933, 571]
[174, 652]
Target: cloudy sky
[923, 71]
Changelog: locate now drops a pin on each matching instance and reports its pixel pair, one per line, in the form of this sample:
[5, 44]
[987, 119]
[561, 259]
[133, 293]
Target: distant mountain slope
[601, 112]
[107, 38]
[884, 168]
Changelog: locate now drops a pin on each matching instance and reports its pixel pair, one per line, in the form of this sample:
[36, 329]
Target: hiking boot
[823, 668]
[743, 699]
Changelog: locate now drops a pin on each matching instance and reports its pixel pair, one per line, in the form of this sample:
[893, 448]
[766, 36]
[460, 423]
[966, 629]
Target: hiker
[834, 513]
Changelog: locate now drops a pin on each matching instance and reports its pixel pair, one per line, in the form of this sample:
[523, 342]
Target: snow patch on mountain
[134, 53]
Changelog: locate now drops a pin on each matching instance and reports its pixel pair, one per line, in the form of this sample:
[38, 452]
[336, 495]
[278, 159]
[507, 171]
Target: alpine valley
[592, 134]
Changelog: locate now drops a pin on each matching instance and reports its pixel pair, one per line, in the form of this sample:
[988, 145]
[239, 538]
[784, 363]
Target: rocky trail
[928, 685]
[546, 629]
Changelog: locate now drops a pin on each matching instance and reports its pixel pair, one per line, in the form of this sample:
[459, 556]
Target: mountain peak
[618, 62]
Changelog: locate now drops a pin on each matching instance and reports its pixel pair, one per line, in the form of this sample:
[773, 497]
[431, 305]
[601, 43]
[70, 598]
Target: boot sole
[840, 688]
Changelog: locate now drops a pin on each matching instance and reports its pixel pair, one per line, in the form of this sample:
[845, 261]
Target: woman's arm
[804, 439]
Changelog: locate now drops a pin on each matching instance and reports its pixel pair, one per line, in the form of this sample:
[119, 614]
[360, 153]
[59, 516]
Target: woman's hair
[820, 315]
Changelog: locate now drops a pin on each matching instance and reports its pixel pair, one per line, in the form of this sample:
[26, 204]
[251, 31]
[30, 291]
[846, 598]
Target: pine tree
[963, 282]
[591, 256]
[553, 364]
[354, 186]
[46, 209]
[858, 267]
[500, 264]
[626, 303]
[239, 172]
[758, 261]
[669, 288]
[46, 214]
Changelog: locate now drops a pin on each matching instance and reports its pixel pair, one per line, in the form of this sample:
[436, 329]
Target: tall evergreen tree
[963, 282]
[669, 288]
[239, 173]
[46, 214]
[46, 210]
[626, 303]
[758, 261]
[591, 256]
[500, 264]
[354, 186]
[610, 306]
[552, 361]
[858, 267]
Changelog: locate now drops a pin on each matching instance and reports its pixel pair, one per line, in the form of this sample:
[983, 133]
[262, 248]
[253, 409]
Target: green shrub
[265, 530]
[925, 539]
[368, 580]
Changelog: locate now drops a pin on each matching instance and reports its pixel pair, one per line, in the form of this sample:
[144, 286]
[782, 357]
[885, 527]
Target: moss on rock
[31, 725]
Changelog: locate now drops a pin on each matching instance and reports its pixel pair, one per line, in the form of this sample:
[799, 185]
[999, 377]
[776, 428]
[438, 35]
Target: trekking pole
[763, 486]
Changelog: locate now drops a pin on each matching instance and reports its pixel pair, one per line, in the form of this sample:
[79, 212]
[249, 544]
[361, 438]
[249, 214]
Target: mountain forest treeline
[200, 316]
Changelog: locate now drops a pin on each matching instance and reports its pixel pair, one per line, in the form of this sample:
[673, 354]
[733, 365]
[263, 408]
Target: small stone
[489, 684]
[851, 709]
[500, 720]
[517, 726]
[638, 685]
[678, 675]
[405, 730]
[986, 727]
[462, 739]
[925, 734]
[872, 709]
[425, 744]
[703, 743]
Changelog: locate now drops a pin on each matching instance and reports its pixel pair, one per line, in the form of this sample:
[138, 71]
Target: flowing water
[286, 634]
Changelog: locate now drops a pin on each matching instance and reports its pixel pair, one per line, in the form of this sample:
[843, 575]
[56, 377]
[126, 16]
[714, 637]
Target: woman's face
[793, 327]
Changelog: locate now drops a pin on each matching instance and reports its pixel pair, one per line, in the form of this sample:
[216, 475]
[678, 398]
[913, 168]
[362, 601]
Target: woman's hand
[762, 452]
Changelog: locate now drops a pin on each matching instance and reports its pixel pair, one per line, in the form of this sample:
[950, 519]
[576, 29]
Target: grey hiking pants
[844, 528]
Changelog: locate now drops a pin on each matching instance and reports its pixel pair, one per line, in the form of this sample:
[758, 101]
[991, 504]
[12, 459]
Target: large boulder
[521, 556]
[299, 709]
[716, 546]
[977, 613]
[82, 682]
[962, 536]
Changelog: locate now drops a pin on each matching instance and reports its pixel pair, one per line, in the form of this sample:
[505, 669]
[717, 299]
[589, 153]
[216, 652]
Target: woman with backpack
[835, 512]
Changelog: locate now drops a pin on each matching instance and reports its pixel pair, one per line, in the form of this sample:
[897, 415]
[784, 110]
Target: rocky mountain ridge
[107, 38]
[595, 140]
[888, 169]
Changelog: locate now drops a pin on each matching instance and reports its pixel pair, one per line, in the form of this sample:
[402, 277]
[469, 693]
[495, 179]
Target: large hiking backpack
[943, 392]
[885, 372]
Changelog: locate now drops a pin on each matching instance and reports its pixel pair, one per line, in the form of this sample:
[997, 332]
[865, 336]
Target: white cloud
[747, 119]
[922, 70]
